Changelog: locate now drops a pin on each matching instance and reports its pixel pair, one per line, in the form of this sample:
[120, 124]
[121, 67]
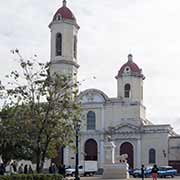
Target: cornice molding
[65, 62]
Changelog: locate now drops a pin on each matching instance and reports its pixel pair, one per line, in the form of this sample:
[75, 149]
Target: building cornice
[65, 62]
[92, 132]
[66, 21]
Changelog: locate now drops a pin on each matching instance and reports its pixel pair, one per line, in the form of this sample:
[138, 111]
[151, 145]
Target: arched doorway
[127, 148]
[91, 149]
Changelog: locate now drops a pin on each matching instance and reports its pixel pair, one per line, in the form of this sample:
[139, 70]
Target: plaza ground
[131, 178]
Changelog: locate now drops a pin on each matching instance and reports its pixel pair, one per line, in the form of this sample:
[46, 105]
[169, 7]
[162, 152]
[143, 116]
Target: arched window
[75, 47]
[91, 120]
[152, 156]
[59, 17]
[58, 44]
[127, 89]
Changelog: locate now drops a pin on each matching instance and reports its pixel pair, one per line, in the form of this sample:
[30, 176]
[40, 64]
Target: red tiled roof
[133, 66]
[65, 13]
[135, 70]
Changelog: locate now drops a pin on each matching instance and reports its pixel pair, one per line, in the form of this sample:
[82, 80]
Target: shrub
[32, 177]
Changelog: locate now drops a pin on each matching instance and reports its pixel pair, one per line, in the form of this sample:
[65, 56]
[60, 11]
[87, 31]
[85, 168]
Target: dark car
[165, 171]
[130, 171]
[137, 172]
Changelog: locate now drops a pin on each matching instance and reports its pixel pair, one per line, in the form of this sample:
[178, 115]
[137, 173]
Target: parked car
[165, 171]
[137, 172]
[130, 171]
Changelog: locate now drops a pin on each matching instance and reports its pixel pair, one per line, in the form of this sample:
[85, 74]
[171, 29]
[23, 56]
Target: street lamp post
[77, 153]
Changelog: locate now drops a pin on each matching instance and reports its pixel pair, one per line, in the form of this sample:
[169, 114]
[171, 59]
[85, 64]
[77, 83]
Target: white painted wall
[68, 31]
[174, 148]
[157, 141]
[136, 87]
[66, 63]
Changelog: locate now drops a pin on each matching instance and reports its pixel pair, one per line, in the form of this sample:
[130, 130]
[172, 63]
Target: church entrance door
[91, 150]
[127, 148]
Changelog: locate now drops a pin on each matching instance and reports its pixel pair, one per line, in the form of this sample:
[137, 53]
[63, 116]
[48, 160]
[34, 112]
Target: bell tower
[64, 31]
[130, 81]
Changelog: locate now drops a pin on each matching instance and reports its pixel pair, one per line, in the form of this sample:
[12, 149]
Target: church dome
[64, 13]
[131, 68]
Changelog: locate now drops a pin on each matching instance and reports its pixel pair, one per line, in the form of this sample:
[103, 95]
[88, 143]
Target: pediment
[92, 96]
[125, 128]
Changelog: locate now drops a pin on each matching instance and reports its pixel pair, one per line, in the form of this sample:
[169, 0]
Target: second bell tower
[64, 31]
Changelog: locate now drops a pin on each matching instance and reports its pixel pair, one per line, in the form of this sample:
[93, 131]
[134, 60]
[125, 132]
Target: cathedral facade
[123, 117]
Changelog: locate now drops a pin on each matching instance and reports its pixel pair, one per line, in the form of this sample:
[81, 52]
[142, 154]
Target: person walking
[20, 169]
[30, 170]
[154, 172]
[14, 166]
[11, 169]
[64, 170]
[53, 168]
[50, 169]
[60, 171]
[2, 169]
[25, 169]
[142, 171]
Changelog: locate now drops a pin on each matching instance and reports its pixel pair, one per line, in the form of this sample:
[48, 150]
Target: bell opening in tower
[58, 44]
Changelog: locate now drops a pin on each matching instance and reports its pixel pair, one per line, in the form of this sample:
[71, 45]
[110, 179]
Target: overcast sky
[110, 30]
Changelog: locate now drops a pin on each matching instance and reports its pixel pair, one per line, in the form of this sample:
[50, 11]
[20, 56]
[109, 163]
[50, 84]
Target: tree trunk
[38, 168]
[44, 152]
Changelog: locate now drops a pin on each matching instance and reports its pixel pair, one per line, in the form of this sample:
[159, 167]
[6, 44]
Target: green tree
[40, 113]
[10, 143]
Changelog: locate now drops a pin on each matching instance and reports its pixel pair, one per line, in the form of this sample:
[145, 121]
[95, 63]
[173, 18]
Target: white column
[79, 151]
[66, 156]
[101, 154]
[102, 118]
[102, 140]
[138, 154]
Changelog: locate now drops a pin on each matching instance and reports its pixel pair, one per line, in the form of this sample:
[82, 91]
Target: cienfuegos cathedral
[124, 117]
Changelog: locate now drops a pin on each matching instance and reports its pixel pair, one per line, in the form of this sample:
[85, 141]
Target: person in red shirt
[154, 172]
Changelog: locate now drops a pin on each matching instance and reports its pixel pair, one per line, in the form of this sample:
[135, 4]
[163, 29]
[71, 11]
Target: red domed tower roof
[64, 13]
[130, 68]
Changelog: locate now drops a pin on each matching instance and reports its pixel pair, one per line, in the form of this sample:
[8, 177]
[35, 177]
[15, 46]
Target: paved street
[100, 178]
